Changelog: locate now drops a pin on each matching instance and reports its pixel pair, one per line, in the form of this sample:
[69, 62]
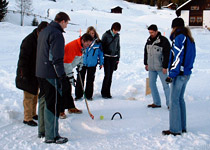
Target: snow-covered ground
[140, 128]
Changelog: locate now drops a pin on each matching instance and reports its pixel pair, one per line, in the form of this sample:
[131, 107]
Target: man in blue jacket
[51, 76]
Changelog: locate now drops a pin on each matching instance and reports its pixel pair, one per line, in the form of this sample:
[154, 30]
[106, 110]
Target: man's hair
[87, 37]
[152, 27]
[116, 26]
[42, 25]
[61, 16]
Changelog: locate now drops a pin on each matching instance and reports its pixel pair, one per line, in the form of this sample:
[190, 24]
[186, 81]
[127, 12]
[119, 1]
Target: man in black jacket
[52, 77]
[111, 48]
[26, 79]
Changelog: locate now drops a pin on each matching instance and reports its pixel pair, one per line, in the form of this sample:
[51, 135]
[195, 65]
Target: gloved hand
[72, 81]
[169, 80]
[79, 68]
[65, 83]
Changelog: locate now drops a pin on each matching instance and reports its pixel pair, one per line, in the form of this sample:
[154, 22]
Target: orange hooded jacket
[72, 49]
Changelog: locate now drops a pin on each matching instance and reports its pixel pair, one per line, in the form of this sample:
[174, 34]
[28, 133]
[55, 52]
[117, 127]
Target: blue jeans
[177, 114]
[153, 86]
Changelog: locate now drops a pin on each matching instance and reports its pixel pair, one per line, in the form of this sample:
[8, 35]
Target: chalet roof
[116, 7]
[169, 4]
[183, 4]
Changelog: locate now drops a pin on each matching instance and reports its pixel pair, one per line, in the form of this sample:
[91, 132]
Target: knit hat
[177, 22]
[152, 27]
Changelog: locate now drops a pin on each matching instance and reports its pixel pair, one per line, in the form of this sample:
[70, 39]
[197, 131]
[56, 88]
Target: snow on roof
[184, 4]
[169, 4]
[115, 7]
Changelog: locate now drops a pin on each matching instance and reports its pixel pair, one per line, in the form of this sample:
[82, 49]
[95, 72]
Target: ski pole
[91, 115]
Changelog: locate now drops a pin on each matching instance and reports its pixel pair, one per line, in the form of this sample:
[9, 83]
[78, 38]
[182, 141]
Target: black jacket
[110, 44]
[26, 79]
[50, 52]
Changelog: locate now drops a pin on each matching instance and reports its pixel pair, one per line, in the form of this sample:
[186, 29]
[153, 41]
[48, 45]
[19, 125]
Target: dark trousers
[68, 101]
[50, 93]
[90, 71]
[109, 66]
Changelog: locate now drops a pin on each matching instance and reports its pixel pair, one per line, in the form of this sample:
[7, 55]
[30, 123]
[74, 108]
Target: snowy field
[140, 128]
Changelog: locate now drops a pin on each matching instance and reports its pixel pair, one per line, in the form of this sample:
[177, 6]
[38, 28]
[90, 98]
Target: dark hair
[42, 25]
[182, 30]
[152, 27]
[87, 37]
[116, 26]
[61, 16]
[177, 22]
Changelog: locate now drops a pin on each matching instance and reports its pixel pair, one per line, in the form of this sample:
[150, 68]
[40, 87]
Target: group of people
[46, 64]
[45, 72]
[173, 64]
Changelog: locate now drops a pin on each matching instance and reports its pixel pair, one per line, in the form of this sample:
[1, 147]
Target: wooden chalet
[172, 6]
[195, 13]
[117, 9]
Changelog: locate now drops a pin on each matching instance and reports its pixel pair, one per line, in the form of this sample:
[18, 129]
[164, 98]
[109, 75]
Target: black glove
[65, 83]
[116, 66]
[72, 81]
[79, 68]
[169, 80]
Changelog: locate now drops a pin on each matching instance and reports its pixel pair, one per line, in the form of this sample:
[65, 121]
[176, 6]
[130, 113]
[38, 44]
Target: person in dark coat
[26, 79]
[52, 77]
[111, 49]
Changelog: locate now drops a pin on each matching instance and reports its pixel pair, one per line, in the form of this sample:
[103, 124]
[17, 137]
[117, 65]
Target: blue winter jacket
[181, 44]
[92, 55]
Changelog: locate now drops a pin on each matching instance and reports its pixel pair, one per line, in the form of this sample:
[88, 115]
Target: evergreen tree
[35, 22]
[3, 9]
[152, 3]
[159, 4]
[146, 2]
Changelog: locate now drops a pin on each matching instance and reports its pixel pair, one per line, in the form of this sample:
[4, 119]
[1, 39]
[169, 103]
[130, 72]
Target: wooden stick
[91, 115]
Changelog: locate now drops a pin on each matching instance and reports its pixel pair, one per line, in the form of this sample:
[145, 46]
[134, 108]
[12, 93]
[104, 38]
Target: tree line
[157, 2]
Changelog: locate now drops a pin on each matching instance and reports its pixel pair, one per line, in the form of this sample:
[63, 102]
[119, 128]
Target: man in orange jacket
[72, 58]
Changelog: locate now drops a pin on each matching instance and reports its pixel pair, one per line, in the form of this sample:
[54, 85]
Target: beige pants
[29, 104]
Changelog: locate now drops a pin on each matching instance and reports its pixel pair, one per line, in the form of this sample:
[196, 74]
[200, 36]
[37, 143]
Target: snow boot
[30, 123]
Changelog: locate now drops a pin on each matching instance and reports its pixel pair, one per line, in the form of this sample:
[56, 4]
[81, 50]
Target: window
[199, 19]
[196, 21]
[192, 19]
[208, 5]
[194, 7]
